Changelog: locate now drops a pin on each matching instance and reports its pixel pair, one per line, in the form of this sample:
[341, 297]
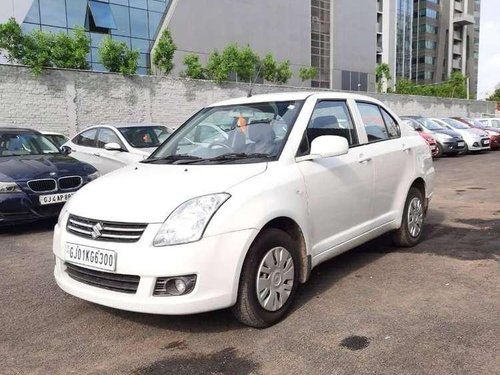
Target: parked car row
[40, 171]
[454, 136]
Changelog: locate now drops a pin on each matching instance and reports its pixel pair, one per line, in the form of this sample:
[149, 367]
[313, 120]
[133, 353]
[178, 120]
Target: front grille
[105, 280]
[72, 182]
[105, 230]
[45, 185]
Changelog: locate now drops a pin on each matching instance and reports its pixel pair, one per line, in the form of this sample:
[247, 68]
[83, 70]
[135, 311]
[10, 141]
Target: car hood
[29, 167]
[478, 131]
[148, 193]
[446, 131]
[144, 151]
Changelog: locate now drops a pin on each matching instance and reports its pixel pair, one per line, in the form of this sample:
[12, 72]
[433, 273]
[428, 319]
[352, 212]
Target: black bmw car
[35, 177]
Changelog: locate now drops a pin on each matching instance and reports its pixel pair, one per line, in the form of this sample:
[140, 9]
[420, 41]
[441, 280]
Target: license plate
[54, 198]
[90, 256]
[486, 141]
[461, 143]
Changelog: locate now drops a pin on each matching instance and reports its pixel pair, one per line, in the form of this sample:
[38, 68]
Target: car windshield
[57, 139]
[145, 136]
[429, 124]
[455, 124]
[234, 133]
[19, 144]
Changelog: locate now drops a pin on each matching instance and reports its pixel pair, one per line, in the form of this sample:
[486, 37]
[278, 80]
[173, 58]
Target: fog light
[174, 286]
[475, 144]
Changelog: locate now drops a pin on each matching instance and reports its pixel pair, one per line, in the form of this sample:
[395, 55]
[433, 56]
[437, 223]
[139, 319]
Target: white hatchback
[109, 147]
[239, 220]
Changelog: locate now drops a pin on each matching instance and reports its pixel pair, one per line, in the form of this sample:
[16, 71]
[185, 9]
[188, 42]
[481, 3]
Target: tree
[71, 51]
[194, 69]
[164, 52]
[268, 68]
[382, 75]
[248, 64]
[495, 97]
[214, 70]
[307, 73]
[455, 87]
[37, 51]
[117, 57]
[283, 72]
[12, 40]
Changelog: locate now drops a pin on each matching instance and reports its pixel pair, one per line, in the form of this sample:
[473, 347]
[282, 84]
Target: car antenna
[252, 83]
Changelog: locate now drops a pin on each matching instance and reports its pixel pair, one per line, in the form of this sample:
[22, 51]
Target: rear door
[83, 147]
[391, 157]
[111, 159]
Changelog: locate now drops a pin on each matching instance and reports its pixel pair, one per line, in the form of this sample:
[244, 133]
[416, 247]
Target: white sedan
[109, 147]
[241, 220]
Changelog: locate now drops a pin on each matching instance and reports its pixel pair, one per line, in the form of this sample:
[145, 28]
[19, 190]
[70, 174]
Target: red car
[493, 133]
[431, 142]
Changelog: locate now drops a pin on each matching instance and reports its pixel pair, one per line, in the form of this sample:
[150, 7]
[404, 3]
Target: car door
[338, 188]
[83, 147]
[391, 157]
[111, 159]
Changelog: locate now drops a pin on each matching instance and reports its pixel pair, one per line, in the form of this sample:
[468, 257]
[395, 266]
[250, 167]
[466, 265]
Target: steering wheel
[211, 146]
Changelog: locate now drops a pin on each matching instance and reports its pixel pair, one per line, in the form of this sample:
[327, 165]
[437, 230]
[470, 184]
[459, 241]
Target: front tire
[410, 232]
[269, 279]
[439, 152]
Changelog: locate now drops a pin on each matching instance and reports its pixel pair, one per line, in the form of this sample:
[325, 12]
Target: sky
[489, 48]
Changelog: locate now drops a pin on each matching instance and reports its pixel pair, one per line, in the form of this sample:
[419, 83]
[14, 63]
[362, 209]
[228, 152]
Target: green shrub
[307, 73]
[194, 69]
[12, 40]
[117, 57]
[164, 53]
[71, 51]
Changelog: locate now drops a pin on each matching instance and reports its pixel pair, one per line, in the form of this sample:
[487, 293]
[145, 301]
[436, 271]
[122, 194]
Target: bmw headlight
[93, 176]
[9, 187]
[188, 221]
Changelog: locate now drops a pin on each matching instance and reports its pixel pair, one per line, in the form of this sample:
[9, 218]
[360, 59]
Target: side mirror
[327, 146]
[113, 147]
[66, 150]
[419, 128]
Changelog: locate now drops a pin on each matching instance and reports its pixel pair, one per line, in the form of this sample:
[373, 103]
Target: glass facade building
[320, 42]
[134, 22]
[404, 19]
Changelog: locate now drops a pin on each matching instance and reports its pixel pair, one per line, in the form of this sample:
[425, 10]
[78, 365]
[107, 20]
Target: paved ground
[434, 309]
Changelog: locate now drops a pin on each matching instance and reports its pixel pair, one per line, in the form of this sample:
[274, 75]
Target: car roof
[289, 96]
[51, 133]
[5, 129]
[127, 125]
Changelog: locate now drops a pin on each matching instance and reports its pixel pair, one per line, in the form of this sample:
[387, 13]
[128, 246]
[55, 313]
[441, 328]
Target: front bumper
[216, 261]
[21, 207]
[452, 147]
[495, 142]
[479, 144]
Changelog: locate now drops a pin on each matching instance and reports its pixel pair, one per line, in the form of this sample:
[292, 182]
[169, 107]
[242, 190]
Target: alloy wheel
[415, 217]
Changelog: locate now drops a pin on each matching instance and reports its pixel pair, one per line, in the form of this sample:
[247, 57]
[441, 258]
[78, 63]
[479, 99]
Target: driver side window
[330, 117]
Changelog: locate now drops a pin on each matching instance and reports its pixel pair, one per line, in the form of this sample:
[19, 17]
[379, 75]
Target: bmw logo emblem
[53, 174]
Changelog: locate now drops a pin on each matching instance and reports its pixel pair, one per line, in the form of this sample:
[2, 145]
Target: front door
[339, 189]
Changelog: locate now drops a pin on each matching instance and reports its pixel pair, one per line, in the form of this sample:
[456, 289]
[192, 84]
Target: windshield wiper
[229, 157]
[173, 158]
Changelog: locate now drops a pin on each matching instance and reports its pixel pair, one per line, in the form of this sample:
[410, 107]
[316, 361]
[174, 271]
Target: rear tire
[268, 266]
[410, 232]
[465, 150]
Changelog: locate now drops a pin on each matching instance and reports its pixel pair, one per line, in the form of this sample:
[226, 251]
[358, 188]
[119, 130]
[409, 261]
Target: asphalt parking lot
[433, 309]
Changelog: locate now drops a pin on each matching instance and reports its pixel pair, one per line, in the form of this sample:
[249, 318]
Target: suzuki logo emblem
[96, 231]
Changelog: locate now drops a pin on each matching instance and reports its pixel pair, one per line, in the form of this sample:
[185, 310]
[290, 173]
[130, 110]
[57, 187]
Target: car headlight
[93, 176]
[188, 221]
[443, 136]
[9, 187]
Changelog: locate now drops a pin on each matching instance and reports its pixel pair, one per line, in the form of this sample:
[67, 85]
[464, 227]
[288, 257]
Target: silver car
[109, 147]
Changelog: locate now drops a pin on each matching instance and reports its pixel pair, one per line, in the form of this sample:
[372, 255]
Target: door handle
[405, 148]
[364, 159]
[97, 154]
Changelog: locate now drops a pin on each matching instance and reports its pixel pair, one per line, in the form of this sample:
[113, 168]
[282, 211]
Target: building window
[320, 42]
[428, 44]
[99, 17]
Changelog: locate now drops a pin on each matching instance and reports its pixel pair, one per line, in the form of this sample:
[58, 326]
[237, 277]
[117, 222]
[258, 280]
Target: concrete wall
[68, 101]
[282, 27]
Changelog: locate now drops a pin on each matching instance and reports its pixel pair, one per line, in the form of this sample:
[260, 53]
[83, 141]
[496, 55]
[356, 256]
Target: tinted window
[145, 136]
[57, 139]
[87, 138]
[53, 12]
[391, 124]
[12, 144]
[329, 118]
[107, 136]
[495, 123]
[373, 122]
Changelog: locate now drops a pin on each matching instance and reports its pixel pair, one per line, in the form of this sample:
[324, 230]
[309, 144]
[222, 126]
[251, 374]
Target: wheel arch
[293, 229]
